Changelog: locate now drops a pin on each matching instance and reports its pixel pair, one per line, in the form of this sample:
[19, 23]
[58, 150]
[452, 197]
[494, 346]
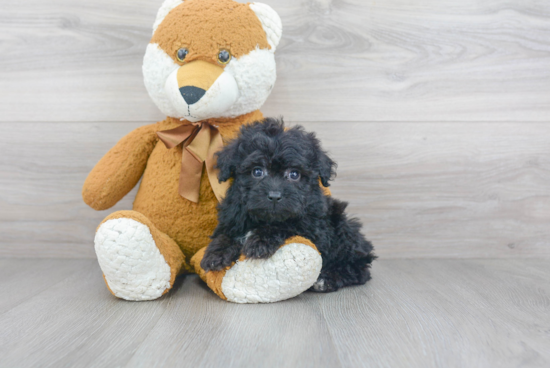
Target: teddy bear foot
[293, 269]
[133, 266]
[131, 263]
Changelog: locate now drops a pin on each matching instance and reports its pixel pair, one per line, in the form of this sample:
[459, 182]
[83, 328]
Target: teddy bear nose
[272, 196]
[192, 94]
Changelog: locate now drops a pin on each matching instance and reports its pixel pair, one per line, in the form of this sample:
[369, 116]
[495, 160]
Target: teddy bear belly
[189, 224]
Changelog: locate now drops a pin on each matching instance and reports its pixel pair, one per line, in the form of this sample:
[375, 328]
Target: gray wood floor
[414, 313]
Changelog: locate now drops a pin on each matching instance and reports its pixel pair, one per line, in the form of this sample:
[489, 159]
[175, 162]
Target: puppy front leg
[220, 253]
[264, 242]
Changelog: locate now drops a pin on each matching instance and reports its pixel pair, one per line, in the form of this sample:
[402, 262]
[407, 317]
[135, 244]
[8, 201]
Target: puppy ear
[327, 168]
[226, 162]
[324, 165]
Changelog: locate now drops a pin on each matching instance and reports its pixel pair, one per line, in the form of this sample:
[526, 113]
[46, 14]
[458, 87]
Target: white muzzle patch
[216, 101]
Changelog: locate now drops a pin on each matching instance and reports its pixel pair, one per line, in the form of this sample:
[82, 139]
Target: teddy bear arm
[120, 169]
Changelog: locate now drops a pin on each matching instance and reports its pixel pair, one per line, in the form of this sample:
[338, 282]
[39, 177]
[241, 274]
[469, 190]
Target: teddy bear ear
[165, 8]
[271, 22]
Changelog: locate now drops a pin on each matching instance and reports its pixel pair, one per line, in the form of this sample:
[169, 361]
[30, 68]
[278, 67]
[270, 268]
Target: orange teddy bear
[209, 67]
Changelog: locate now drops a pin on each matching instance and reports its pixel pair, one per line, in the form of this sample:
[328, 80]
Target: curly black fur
[260, 213]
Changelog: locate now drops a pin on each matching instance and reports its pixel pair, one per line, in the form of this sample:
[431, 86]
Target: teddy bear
[209, 67]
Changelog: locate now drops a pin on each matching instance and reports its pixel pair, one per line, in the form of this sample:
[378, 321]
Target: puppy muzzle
[273, 208]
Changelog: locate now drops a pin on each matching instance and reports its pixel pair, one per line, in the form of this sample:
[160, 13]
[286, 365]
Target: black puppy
[275, 195]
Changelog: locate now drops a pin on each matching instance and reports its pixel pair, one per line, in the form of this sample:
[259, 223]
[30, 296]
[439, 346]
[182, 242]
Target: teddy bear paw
[133, 266]
[293, 269]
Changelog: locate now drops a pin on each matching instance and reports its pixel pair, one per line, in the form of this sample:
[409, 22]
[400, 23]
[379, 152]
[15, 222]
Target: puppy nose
[192, 94]
[274, 196]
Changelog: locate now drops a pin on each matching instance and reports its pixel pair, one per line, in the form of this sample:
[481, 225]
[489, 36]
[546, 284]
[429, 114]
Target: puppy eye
[181, 54]
[258, 172]
[224, 57]
[292, 175]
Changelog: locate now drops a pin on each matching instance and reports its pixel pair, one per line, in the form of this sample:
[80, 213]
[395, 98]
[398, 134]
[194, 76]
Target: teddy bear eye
[292, 175]
[224, 56]
[181, 54]
[258, 172]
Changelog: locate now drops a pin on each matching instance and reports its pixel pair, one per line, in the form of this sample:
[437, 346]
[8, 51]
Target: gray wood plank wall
[438, 113]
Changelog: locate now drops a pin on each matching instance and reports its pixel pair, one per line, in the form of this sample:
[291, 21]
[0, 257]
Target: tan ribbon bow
[199, 142]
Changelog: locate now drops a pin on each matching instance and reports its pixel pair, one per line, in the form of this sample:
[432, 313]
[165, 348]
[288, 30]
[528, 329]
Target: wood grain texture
[354, 60]
[76, 322]
[20, 281]
[470, 190]
[232, 335]
[446, 313]
[446, 190]
[414, 313]
[43, 168]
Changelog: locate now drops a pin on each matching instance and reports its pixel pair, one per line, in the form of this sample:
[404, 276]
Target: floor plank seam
[169, 297]
[330, 333]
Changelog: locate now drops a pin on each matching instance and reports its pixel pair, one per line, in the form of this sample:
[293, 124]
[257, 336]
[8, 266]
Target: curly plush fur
[275, 195]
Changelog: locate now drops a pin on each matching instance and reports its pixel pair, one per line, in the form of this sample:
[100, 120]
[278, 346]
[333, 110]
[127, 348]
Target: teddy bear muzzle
[201, 90]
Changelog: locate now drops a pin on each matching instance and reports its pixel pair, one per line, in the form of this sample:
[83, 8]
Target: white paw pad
[319, 285]
[289, 272]
[130, 260]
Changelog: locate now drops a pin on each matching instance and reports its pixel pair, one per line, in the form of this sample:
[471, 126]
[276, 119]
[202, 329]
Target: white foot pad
[289, 272]
[130, 260]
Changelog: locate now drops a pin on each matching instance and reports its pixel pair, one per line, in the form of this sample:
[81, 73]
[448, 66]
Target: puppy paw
[215, 261]
[319, 286]
[218, 259]
[325, 285]
[220, 254]
[256, 247]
